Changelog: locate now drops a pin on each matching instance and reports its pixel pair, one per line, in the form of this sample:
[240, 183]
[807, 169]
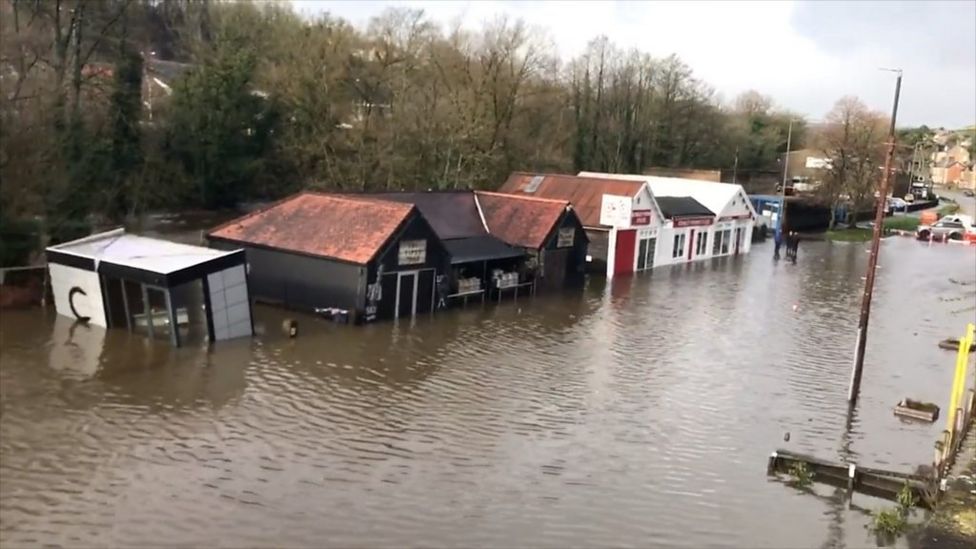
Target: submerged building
[370, 259]
[151, 286]
[388, 255]
[619, 216]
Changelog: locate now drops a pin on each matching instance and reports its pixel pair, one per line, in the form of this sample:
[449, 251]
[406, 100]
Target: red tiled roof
[584, 193]
[338, 227]
[519, 220]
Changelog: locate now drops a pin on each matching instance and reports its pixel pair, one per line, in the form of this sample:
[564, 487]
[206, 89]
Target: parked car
[969, 193]
[951, 227]
[897, 204]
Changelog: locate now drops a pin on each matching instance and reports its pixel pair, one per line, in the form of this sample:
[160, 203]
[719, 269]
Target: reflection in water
[637, 412]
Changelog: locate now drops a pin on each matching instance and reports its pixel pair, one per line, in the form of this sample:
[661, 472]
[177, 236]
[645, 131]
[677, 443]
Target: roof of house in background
[682, 206]
[339, 227]
[714, 196]
[584, 193]
[168, 71]
[452, 214]
[521, 220]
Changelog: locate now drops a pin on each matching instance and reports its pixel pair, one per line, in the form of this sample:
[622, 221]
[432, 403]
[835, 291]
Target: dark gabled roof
[521, 220]
[584, 193]
[331, 226]
[479, 248]
[682, 206]
[452, 214]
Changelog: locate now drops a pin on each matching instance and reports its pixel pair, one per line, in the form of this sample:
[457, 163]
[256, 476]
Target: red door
[623, 254]
[691, 242]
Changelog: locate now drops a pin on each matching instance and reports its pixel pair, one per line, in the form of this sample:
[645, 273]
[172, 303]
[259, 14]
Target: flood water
[639, 413]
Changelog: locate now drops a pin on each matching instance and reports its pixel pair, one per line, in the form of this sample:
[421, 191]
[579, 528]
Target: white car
[950, 227]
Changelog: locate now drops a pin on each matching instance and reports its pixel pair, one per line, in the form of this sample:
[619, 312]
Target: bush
[902, 223]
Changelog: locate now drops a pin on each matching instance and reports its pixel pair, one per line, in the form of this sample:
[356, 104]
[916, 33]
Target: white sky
[806, 55]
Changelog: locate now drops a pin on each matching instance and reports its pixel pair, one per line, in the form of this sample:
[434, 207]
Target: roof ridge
[525, 197]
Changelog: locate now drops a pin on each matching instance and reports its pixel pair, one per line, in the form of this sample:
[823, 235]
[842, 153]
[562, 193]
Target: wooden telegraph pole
[862, 326]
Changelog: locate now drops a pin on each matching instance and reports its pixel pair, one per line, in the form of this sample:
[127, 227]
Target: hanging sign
[412, 252]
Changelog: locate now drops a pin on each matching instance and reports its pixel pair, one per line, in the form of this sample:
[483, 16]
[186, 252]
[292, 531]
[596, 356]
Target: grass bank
[902, 223]
[948, 209]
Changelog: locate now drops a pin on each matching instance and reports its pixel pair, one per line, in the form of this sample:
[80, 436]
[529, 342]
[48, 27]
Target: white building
[729, 234]
[114, 279]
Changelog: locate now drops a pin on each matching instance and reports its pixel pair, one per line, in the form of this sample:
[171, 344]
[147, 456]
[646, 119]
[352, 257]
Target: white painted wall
[63, 279]
[230, 303]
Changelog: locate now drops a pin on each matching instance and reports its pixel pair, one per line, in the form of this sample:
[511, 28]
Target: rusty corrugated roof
[521, 220]
[337, 227]
[584, 193]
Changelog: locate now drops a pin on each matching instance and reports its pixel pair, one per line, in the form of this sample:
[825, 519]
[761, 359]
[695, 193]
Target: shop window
[701, 244]
[717, 244]
[679, 246]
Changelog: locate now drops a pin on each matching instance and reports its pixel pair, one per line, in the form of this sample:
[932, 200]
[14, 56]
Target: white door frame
[416, 278]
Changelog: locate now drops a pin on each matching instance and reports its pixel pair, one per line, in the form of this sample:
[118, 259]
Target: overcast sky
[805, 55]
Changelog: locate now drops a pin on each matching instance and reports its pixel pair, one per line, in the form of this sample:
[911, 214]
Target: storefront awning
[480, 248]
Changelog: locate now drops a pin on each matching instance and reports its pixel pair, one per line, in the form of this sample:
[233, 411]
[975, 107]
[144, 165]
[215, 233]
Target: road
[967, 204]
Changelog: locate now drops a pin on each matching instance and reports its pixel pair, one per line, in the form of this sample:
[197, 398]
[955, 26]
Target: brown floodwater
[637, 413]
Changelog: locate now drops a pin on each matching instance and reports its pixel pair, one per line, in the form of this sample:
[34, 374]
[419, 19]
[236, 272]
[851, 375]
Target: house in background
[950, 172]
[370, 259]
[619, 216]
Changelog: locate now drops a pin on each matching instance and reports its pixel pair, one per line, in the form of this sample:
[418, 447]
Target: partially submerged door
[425, 291]
[642, 254]
[623, 254]
[407, 294]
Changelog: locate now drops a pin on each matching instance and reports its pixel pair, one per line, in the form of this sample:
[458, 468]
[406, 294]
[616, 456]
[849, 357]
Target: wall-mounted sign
[412, 252]
[746, 215]
[640, 217]
[615, 210]
[566, 237]
[693, 221]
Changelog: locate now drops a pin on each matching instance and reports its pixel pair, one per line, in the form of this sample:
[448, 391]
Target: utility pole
[862, 326]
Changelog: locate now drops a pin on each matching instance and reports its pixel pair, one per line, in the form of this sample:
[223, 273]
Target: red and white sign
[693, 221]
[640, 217]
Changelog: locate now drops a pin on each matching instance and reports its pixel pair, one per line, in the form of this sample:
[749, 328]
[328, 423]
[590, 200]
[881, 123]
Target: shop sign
[640, 217]
[566, 237]
[693, 222]
[412, 252]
